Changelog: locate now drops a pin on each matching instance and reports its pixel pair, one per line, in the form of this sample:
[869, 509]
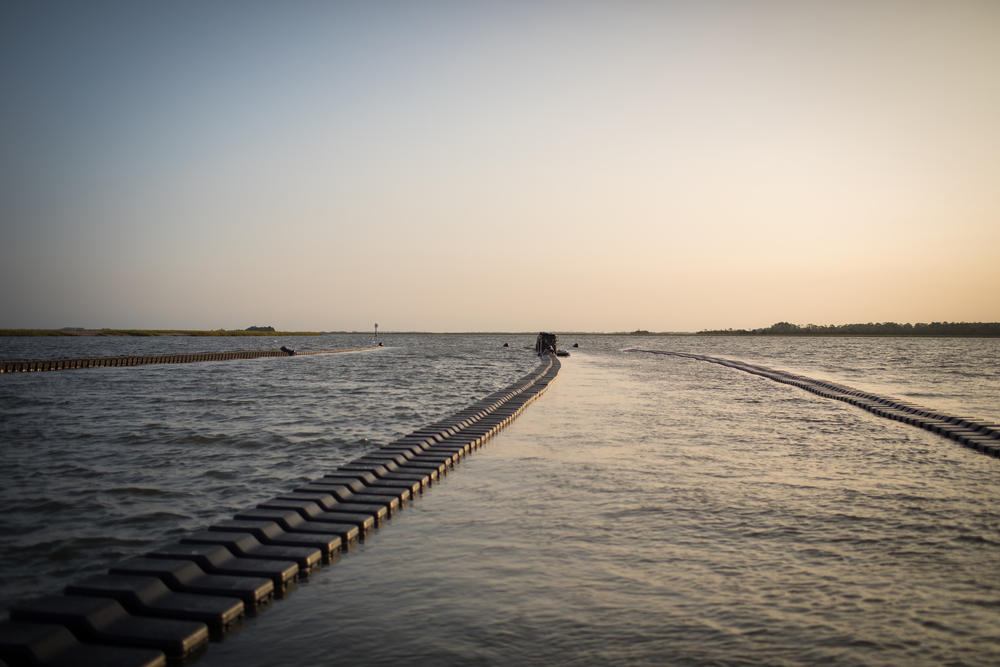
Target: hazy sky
[463, 166]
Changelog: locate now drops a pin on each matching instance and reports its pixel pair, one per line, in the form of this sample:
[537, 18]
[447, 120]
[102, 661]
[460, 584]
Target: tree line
[972, 329]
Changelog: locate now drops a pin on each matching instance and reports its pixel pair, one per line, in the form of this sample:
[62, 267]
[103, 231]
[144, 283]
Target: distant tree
[784, 328]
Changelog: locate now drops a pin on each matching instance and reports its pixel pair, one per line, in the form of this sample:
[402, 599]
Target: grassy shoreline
[782, 329]
[153, 332]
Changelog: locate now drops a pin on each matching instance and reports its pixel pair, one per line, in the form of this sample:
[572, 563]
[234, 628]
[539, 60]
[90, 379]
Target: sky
[498, 166]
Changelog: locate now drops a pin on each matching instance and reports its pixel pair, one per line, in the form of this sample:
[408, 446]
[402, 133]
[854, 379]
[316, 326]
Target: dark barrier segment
[245, 545]
[270, 533]
[32, 365]
[148, 596]
[334, 496]
[349, 480]
[217, 559]
[381, 472]
[239, 564]
[425, 462]
[292, 521]
[185, 576]
[49, 644]
[364, 517]
[967, 431]
[102, 620]
[357, 482]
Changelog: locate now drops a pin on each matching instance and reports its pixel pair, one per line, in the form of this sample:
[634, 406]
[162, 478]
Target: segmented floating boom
[974, 433]
[165, 606]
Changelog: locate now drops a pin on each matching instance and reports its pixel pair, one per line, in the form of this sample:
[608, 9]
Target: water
[148, 453]
[646, 510]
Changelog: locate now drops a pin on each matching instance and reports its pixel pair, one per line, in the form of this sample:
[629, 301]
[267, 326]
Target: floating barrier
[102, 620]
[36, 365]
[51, 644]
[148, 596]
[165, 606]
[977, 434]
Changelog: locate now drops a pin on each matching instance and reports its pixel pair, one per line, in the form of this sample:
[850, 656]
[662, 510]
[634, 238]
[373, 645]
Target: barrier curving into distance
[975, 433]
[165, 606]
[35, 365]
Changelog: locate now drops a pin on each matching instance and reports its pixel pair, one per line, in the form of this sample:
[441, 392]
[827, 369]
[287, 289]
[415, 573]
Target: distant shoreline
[155, 332]
[885, 329]
[920, 329]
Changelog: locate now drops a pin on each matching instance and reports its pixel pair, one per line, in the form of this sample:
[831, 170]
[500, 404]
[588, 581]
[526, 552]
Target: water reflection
[662, 513]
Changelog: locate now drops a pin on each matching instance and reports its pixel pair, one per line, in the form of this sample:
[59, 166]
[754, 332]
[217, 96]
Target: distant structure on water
[545, 343]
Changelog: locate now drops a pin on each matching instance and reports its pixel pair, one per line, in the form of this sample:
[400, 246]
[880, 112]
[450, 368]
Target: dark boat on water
[546, 344]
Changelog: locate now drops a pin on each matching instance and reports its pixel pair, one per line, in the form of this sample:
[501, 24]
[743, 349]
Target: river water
[645, 510]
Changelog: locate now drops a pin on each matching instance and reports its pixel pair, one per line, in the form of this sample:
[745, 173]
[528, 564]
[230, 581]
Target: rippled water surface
[646, 510]
[103, 462]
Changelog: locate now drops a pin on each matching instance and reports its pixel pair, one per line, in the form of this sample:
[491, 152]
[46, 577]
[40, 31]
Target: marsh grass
[151, 332]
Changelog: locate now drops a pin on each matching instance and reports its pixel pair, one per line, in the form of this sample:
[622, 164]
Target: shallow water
[645, 510]
[148, 453]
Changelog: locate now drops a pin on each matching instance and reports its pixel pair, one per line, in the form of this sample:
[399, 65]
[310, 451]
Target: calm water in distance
[645, 510]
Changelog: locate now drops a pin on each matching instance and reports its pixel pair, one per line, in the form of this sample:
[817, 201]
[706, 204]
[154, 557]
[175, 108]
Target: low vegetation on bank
[970, 329]
[943, 329]
[254, 331]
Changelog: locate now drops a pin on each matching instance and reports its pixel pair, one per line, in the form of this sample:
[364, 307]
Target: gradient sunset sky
[498, 166]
